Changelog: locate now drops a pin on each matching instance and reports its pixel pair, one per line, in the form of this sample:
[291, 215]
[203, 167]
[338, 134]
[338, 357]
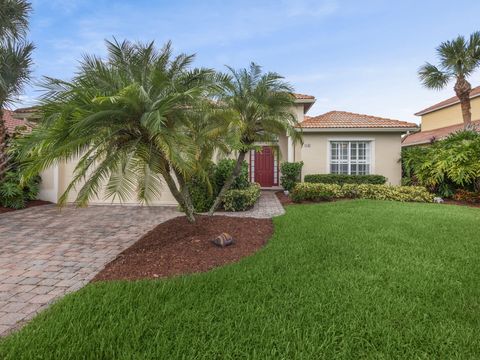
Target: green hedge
[241, 199]
[291, 172]
[345, 179]
[15, 196]
[327, 192]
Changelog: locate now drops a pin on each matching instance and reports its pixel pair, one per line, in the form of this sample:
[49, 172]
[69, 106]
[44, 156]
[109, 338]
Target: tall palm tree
[459, 58]
[125, 118]
[262, 104]
[15, 61]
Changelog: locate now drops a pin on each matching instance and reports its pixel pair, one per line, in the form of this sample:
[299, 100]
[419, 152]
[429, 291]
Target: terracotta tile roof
[11, 123]
[451, 101]
[344, 119]
[304, 97]
[426, 137]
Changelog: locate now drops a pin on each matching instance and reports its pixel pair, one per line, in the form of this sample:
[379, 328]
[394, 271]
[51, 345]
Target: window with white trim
[350, 157]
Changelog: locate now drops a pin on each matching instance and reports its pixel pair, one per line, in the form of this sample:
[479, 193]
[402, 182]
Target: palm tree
[459, 58]
[15, 61]
[262, 103]
[126, 119]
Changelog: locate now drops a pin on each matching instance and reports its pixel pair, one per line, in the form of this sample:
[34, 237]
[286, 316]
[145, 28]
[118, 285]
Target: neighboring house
[13, 121]
[335, 142]
[440, 120]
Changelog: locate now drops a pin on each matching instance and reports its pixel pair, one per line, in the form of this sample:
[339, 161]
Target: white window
[350, 157]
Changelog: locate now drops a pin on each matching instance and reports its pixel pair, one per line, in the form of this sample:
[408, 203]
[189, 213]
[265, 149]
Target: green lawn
[344, 280]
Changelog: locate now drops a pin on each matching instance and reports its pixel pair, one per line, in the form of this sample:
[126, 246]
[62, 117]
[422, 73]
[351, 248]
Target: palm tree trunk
[462, 89]
[3, 146]
[187, 200]
[228, 183]
[179, 195]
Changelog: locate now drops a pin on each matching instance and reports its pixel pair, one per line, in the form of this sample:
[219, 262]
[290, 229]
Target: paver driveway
[46, 252]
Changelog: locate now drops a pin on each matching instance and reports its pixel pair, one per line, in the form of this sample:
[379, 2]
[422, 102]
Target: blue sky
[359, 56]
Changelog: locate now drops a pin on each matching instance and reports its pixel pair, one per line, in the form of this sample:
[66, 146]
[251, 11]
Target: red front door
[264, 166]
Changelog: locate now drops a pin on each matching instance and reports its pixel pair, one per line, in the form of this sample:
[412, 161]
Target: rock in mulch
[178, 247]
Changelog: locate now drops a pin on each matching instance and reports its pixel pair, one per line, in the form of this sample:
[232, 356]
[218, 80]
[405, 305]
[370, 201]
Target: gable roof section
[348, 120]
[449, 102]
[426, 137]
[11, 122]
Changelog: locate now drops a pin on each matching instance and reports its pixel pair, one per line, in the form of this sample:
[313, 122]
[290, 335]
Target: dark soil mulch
[460, 203]
[178, 247]
[31, 203]
[284, 199]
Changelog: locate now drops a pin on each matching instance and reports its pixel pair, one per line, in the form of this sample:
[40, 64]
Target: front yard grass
[344, 280]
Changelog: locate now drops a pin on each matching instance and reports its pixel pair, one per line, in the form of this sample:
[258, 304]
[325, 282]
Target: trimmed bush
[467, 196]
[327, 192]
[241, 199]
[291, 174]
[15, 196]
[345, 179]
[224, 168]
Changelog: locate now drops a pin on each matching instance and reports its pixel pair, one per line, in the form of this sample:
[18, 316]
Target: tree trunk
[187, 200]
[462, 89]
[228, 183]
[3, 146]
[183, 201]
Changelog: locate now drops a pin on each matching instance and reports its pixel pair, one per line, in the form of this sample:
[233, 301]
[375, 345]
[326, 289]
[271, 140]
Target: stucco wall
[451, 115]
[386, 151]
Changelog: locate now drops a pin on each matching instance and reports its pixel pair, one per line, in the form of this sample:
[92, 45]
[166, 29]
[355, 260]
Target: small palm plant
[262, 106]
[459, 58]
[126, 120]
[15, 62]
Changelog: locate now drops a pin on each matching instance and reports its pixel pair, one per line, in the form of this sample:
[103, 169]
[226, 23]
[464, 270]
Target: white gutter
[353, 129]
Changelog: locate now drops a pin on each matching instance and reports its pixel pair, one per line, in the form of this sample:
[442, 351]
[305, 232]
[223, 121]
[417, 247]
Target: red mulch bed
[284, 199]
[460, 203]
[31, 203]
[178, 247]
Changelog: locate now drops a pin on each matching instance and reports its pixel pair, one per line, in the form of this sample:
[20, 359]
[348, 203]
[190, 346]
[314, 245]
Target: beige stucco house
[442, 119]
[335, 142]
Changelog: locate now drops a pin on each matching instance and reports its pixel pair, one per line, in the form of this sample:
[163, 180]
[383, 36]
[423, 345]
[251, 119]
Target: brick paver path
[267, 206]
[46, 252]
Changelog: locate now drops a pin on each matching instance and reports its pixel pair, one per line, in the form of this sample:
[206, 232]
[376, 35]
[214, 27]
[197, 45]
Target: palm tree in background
[459, 58]
[262, 105]
[15, 61]
[127, 120]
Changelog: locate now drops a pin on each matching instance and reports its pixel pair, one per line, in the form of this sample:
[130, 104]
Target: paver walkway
[46, 252]
[267, 206]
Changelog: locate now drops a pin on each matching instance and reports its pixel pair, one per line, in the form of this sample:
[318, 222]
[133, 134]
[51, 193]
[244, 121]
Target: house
[14, 122]
[440, 120]
[335, 142]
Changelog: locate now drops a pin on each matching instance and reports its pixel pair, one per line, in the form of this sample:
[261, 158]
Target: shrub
[224, 168]
[202, 194]
[467, 196]
[15, 196]
[345, 179]
[241, 199]
[315, 192]
[445, 166]
[291, 174]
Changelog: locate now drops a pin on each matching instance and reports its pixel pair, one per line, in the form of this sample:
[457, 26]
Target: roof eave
[423, 112]
[307, 104]
[356, 129]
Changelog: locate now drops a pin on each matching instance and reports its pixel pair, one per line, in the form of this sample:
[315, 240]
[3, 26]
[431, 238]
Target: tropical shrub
[345, 179]
[445, 166]
[224, 169]
[202, 193]
[327, 192]
[467, 196]
[15, 195]
[291, 174]
[241, 199]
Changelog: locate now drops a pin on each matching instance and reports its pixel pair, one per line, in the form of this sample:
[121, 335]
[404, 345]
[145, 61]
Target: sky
[358, 56]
